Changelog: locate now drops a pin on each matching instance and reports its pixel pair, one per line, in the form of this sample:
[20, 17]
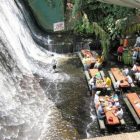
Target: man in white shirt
[100, 111]
[96, 97]
[117, 84]
[125, 71]
[134, 68]
[129, 79]
[137, 41]
[137, 76]
[92, 82]
[134, 55]
[119, 113]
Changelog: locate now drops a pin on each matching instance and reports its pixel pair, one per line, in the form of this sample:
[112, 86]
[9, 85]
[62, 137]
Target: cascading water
[93, 117]
[25, 112]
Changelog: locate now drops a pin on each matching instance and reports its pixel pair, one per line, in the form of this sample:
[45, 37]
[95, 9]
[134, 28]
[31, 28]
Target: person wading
[53, 63]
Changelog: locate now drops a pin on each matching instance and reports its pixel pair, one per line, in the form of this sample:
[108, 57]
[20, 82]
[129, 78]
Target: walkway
[123, 136]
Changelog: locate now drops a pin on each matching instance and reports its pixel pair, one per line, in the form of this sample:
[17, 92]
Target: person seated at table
[98, 75]
[92, 82]
[117, 84]
[134, 68]
[134, 55]
[119, 113]
[129, 79]
[86, 62]
[137, 76]
[98, 62]
[96, 97]
[114, 96]
[137, 103]
[107, 82]
[137, 41]
[125, 71]
[92, 60]
[116, 103]
[100, 111]
[107, 98]
[108, 101]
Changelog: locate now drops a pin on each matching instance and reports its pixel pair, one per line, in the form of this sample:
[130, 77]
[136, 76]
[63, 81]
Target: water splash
[93, 118]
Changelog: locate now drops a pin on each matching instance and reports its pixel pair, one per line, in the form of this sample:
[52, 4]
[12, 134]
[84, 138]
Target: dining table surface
[119, 76]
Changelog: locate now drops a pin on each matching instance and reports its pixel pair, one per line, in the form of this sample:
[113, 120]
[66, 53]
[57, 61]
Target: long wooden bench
[87, 75]
[101, 122]
[80, 56]
[87, 78]
[113, 80]
[135, 102]
[122, 121]
[86, 72]
[131, 99]
[136, 118]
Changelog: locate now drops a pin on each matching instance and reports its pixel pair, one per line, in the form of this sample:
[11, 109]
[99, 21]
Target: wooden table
[135, 102]
[100, 83]
[86, 53]
[138, 67]
[93, 72]
[89, 55]
[109, 112]
[120, 77]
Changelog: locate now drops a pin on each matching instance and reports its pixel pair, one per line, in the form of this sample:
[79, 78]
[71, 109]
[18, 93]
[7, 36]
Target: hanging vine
[104, 38]
[77, 7]
[133, 28]
[87, 27]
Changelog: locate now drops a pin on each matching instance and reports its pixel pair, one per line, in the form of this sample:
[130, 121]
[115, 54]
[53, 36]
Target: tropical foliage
[104, 14]
[133, 28]
[102, 19]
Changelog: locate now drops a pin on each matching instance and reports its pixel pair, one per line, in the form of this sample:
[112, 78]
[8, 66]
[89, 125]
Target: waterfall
[25, 111]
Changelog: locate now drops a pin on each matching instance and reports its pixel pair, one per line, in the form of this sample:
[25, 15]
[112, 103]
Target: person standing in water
[53, 63]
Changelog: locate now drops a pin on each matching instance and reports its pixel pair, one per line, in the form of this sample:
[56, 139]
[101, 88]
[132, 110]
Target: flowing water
[35, 102]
